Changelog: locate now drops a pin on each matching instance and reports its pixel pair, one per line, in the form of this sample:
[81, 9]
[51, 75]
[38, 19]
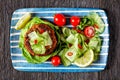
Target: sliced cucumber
[47, 38]
[64, 60]
[71, 54]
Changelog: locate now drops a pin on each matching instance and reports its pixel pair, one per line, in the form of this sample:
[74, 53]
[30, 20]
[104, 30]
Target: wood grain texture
[112, 70]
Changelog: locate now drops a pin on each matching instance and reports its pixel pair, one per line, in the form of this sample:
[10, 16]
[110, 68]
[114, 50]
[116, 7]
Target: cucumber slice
[64, 60]
[71, 54]
[47, 38]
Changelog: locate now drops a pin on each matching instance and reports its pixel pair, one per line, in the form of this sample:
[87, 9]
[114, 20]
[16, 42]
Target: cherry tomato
[89, 31]
[75, 20]
[56, 61]
[59, 19]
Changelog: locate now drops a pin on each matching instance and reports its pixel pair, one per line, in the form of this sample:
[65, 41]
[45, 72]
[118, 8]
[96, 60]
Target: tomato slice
[59, 19]
[79, 46]
[89, 31]
[41, 31]
[35, 41]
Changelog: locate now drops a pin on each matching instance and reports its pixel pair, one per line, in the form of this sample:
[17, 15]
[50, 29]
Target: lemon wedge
[86, 59]
[23, 21]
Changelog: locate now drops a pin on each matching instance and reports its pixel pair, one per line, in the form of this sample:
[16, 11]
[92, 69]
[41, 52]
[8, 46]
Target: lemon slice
[86, 59]
[23, 21]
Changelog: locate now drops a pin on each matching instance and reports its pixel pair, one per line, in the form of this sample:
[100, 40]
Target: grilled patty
[38, 27]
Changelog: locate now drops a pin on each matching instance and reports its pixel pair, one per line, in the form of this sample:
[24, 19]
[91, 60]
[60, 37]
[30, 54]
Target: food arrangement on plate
[42, 40]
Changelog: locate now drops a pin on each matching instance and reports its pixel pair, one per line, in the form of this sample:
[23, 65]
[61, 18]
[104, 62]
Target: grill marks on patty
[49, 48]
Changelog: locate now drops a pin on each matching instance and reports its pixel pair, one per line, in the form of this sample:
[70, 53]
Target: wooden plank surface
[112, 70]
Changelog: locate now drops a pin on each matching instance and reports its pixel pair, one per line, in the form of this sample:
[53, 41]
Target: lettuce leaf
[86, 21]
[92, 19]
[95, 44]
[98, 21]
[26, 54]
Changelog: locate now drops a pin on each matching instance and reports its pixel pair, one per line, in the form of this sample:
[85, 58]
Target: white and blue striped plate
[19, 62]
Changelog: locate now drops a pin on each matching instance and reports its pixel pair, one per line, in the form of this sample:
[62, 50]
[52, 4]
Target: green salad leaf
[92, 19]
[38, 48]
[86, 21]
[26, 54]
[70, 36]
[98, 21]
[95, 44]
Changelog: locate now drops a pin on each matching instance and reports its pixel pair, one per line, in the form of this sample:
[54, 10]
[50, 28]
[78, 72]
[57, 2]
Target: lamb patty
[39, 27]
